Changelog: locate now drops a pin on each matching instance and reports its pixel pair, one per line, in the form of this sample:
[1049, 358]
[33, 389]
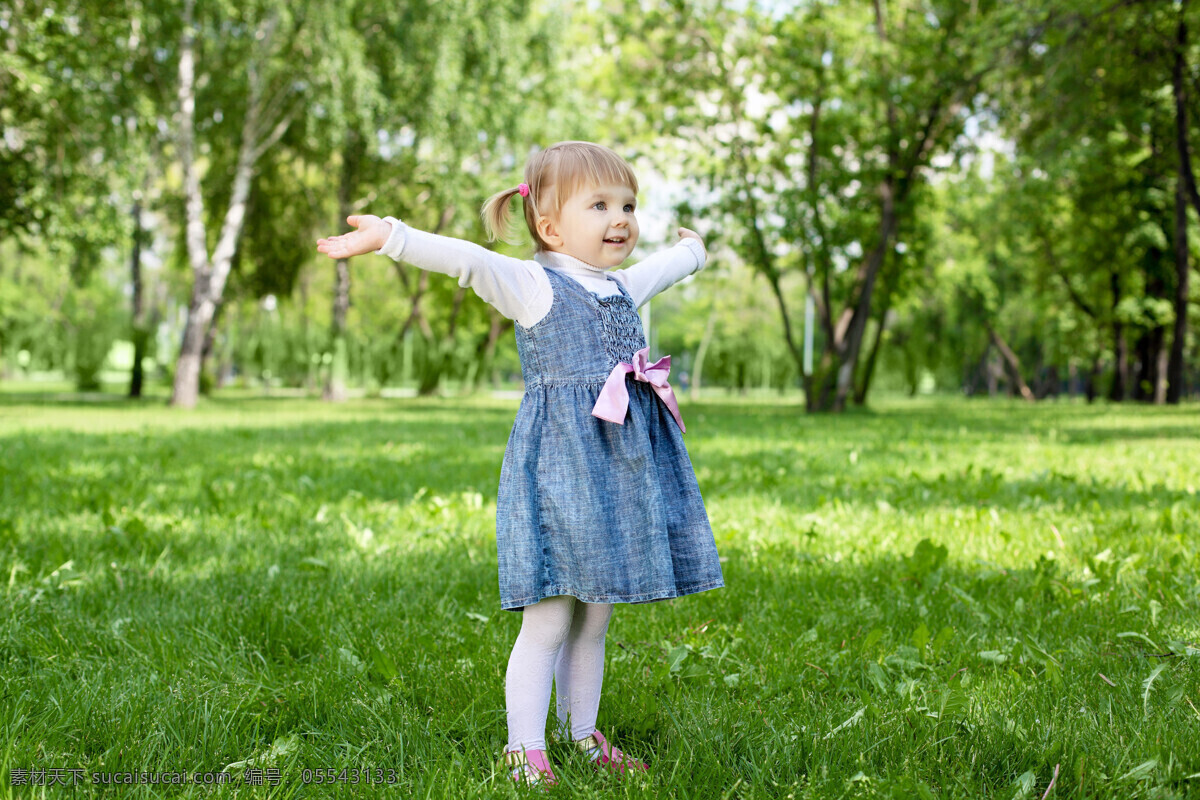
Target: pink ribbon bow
[613, 402]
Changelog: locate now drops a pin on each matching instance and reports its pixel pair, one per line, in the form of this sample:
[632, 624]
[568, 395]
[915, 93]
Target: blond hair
[553, 175]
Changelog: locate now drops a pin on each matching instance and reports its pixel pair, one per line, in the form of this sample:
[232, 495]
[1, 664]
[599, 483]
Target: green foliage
[778, 128]
[945, 599]
[722, 312]
[62, 129]
[1095, 178]
[94, 321]
[809, 135]
[58, 322]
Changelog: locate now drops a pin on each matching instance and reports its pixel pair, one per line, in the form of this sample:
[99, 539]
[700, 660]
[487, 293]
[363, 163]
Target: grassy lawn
[935, 599]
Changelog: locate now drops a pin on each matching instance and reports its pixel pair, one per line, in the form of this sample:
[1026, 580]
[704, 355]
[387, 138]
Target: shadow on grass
[391, 452]
[945, 419]
[809, 482]
[77, 400]
[203, 472]
[1188, 428]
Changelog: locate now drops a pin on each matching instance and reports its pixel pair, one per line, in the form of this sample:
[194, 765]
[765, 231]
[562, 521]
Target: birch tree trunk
[210, 272]
[335, 381]
[702, 351]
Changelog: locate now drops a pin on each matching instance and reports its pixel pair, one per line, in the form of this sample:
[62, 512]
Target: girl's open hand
[685, 233]
[371, 235]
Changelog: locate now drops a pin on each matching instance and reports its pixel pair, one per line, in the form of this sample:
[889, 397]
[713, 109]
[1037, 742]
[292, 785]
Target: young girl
[598, 501]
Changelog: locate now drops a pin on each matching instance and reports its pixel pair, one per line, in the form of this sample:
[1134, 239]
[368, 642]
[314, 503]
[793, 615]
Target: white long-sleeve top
[520, 289]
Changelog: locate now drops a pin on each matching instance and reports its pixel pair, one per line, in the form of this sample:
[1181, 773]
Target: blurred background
[899, 196]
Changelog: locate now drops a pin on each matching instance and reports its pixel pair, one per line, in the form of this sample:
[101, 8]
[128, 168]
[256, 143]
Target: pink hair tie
[523, 189]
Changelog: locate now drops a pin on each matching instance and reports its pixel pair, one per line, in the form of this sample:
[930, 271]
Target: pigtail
[497, 215]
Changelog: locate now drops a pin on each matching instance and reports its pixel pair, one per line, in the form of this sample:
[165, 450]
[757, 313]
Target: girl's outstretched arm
[371, 235]
[517, 289]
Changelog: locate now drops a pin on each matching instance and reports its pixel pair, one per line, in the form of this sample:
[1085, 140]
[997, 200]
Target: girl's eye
[628, 208]
[600, 206]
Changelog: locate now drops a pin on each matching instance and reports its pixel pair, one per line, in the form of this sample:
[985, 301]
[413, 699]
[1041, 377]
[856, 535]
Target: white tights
[561, 641]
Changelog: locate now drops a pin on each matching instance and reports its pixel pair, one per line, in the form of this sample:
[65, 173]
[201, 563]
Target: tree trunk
[860, 392]
[1093, 378]
[1152, 358]
[702, 351]
[210, 343]
[853, 324]
[1152, 347]
[485, 352]
[140, 334]
[1160, 372]
[335, 381]
[1120, 385]
[1012, 362]
[439, 350]
[992, 373]
[1174, 370]
[200, 310]
[211, 273]
[857, 327]
[1176, 366]
[186, 390]
[309, 347]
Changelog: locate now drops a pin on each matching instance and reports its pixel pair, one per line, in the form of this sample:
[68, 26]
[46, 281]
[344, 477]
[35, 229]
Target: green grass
[936, 599]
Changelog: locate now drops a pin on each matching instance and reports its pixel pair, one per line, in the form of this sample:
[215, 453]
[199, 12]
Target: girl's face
[597, 225]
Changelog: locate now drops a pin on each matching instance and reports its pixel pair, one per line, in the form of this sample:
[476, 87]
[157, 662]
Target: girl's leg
[544, 628]
[579, 672]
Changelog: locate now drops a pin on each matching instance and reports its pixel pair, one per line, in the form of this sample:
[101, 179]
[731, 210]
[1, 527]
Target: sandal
[530, 767]
[599, 751]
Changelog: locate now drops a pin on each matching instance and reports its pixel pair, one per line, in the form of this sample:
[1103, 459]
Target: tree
[812, 130]
[1101, 105]
[1185, 191]
[83, 134]
[259, 46]
[461, 133]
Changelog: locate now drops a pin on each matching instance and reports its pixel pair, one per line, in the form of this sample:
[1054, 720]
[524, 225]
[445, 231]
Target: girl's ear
[548, 232]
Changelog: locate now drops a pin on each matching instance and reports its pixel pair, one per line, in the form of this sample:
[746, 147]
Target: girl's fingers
[353, 243]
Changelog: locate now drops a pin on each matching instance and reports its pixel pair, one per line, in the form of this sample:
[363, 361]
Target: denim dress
[602, 512]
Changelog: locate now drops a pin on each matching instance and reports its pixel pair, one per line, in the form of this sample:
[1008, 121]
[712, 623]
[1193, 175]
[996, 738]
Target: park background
[960, 537]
